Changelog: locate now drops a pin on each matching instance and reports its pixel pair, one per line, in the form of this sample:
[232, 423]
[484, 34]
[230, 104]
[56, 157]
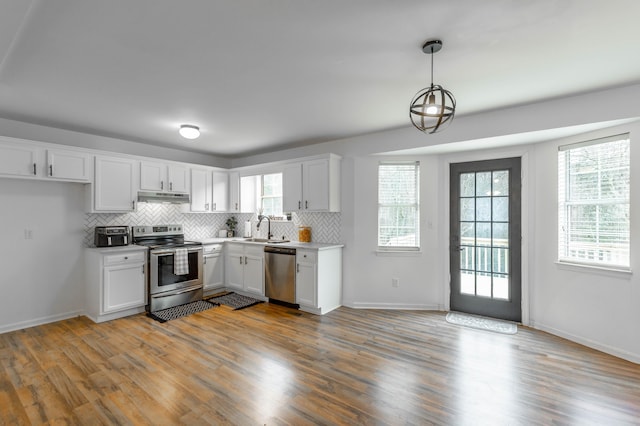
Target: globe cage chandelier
[432, 107]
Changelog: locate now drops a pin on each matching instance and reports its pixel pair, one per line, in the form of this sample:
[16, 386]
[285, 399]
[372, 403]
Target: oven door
[162, 278]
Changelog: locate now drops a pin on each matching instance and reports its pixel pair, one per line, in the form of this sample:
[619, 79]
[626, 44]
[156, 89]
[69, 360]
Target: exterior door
[485, 238]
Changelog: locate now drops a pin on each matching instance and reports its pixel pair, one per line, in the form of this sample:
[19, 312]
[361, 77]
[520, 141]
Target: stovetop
[161, 236]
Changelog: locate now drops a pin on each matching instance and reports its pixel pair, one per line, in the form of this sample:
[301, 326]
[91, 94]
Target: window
[593, 191]
[271, 197]
[398, 206]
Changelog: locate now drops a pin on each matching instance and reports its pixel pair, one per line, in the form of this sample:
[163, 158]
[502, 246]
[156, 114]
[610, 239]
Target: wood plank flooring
[271, 365]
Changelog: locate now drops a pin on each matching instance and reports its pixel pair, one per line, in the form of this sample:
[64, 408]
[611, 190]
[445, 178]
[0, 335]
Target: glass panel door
[485, 238]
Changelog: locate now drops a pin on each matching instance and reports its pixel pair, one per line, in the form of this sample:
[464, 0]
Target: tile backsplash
[325, 227]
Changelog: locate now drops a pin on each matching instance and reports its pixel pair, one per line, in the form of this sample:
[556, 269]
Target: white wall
[368, 274]
[597, 308]
[41, 279]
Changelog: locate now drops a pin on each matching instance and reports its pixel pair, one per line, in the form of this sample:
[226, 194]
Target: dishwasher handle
[280, 250]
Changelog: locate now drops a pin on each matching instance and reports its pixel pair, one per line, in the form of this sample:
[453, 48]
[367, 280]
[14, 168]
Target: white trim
[609, 271]
[611, 350]
[398, 253]
[39, 321]
[393, 306]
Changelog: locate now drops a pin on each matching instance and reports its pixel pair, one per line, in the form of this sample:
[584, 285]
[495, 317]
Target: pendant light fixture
[189, 131]
[432, 107]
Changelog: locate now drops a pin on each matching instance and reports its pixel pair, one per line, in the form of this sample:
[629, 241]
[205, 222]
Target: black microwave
[111, 236]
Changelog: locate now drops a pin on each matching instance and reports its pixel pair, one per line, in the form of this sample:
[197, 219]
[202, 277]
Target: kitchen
[47, 226]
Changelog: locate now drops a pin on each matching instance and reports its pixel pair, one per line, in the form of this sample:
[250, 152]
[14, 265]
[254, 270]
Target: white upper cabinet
[220, 191]
[234, 192]
[114, 187]
[292, 187]
[163, 177]
[200, 191]
[24, 159]
[312, 185]
[20, 160]
[69, 165]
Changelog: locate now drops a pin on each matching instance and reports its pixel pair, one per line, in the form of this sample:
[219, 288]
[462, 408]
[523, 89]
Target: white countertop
[290, 244]
[130, 247]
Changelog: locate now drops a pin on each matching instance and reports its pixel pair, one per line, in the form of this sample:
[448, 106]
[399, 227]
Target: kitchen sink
[265, 240]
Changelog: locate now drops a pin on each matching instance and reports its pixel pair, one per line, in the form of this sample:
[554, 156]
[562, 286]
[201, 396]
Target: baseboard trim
[38, 321]
[611, 350]
[396, 306]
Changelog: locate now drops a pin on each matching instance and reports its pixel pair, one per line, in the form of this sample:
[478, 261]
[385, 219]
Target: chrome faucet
[260, 219]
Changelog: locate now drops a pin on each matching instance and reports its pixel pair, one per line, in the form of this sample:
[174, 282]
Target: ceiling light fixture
[433, 106]
[189, 131]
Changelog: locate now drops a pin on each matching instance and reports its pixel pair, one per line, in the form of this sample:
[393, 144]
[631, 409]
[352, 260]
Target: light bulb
[432, 109]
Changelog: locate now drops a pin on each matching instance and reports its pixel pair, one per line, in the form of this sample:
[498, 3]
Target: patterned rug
[482, 323]
[235, 300]
[181, 311]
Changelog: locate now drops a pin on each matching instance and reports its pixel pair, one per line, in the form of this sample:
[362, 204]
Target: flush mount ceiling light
[433, 106]
[189, 131]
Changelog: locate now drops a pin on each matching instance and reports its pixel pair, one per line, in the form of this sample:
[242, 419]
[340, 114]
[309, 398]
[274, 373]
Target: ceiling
[260, 75]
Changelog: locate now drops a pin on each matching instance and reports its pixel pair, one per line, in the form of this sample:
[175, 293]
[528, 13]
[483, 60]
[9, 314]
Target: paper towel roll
[247, 229]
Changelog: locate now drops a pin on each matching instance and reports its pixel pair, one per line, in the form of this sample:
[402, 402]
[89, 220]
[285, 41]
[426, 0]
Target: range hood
[163, 197]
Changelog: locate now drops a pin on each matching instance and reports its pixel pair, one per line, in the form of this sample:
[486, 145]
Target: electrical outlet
[28, 234]
[395, 282]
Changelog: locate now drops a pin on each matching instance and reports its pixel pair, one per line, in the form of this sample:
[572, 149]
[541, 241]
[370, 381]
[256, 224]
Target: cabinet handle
[306, 204]
[142, 269]
[50, 169]
[245, 260]
[126, 257]
[236, 206]
[299, 205]
[241, 260]
[133, 204]
[161, 185]
[204, 260]
[297, 267]
[170, 186]
[34, 168]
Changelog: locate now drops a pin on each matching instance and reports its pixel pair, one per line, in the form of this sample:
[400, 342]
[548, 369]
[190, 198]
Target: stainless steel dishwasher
[280, 274]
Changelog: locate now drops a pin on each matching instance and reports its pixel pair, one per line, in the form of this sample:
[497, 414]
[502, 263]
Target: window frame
[415, 205]
[566, 202]
[262, 196]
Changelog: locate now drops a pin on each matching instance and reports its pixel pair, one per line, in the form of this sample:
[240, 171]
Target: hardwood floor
[269, 364]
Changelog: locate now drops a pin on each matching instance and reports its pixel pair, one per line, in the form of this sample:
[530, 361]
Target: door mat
[482, 323]
[180, 311]
[235, 300]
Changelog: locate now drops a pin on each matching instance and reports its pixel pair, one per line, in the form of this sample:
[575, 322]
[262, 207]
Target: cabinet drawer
[307, 256]
[119, 258]
[211, 249]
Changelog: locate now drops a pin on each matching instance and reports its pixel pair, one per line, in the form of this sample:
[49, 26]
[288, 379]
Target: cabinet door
[200, 190]
[315, 185]
[153, 176]
[213, 272]
[178, 177]
[114, 184]
[68, 165]
[234, 192]
[306, 276]
[18, 160]
[124, 287]
[220, 191]
[234, 267]
[254, 274]
[292, 188]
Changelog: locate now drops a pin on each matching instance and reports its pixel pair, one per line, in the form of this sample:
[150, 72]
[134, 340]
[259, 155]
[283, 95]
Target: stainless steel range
[175, 265]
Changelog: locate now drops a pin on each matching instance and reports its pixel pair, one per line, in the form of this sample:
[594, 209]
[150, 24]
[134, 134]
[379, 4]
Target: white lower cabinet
[116, 282]
[319, 280]
[244, 267]
[213, 262]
